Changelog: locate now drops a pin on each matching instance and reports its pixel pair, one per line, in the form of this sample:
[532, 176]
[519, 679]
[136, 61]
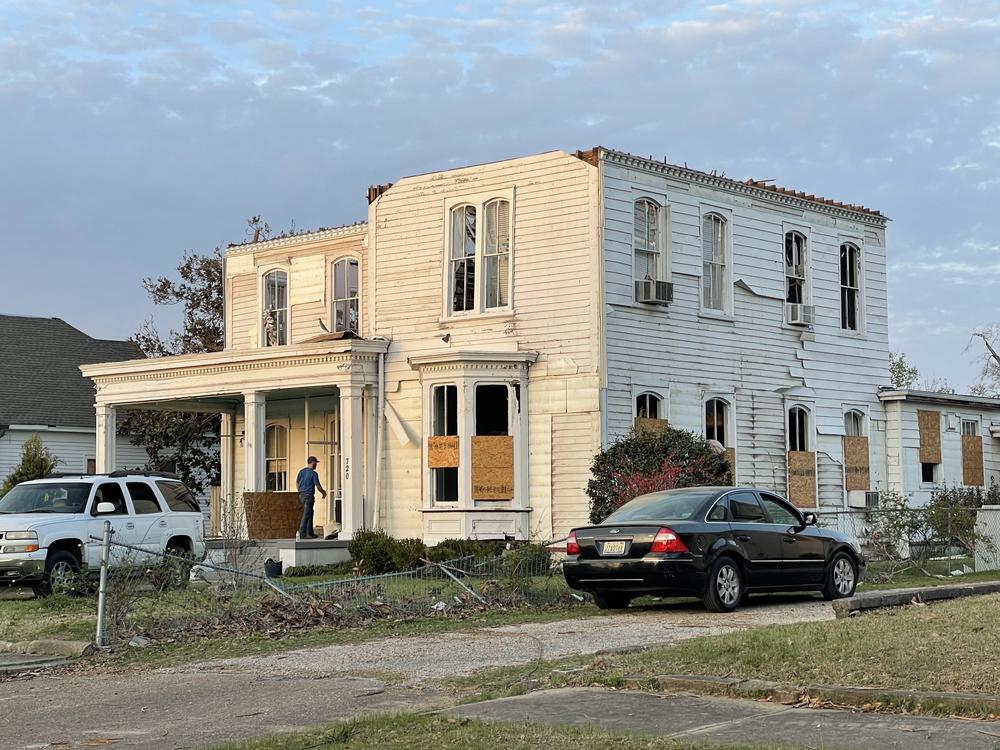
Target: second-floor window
[850, 287]
[713, 242]
[796, 268]
[646, 240]
[346, 300]
[479, 256]
[275, 308]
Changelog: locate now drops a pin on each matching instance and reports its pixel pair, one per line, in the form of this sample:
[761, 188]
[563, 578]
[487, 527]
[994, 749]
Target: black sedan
[716, 543]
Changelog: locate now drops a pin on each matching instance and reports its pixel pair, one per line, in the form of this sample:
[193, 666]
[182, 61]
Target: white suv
[48, 526]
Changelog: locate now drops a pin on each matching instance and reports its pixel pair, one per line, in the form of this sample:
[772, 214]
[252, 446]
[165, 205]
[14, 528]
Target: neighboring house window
[276, 457]
[713, 242]
[463, 258]
[796, 266]
[346, 296]
[496, 254]
[649, 406]
[850, 287]
[646, 240]
[444, 422]
[275, 312]
[854, 423]
[717, 421]
[798, 429]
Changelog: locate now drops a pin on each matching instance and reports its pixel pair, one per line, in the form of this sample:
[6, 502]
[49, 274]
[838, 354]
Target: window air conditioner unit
[800, 315]
[871, 499]
[654, 292]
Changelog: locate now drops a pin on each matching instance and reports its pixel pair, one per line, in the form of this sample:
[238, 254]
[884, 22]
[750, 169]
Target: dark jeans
[308, 501]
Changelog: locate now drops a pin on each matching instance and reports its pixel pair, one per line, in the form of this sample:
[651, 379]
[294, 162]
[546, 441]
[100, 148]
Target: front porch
[278, 405]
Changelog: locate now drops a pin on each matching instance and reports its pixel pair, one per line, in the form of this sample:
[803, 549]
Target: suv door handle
[130, 525]
[743, 538]
[163, 522]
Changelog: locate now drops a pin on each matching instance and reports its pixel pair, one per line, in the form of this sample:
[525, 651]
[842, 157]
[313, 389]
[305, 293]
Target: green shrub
[305, 571]
[650, 461]
[527, 559]
[376, 552]
[408, 554]
[452, 549]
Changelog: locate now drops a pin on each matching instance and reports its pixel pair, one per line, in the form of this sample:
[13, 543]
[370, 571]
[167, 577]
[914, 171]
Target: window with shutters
[274, 313]
[480, 247]
[850, 287]
[346, 310]
[715, 268]
[796, 268]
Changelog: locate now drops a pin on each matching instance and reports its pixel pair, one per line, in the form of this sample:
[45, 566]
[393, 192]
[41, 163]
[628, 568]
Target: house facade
[457, 360]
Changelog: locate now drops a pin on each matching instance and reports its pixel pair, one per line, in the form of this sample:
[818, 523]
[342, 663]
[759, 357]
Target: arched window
[463, 258]
[713, 243]
[346, 295]
[649, 406]
[796, 268]
[275, 308]
[798, 429]
[717, 421]
[854, 423]
[496, 253]
[850, 287]
[646, 240]
[276, 457]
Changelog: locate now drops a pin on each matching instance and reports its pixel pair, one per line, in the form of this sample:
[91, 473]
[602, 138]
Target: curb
[901, 597]
[49, 647]
[926, 701]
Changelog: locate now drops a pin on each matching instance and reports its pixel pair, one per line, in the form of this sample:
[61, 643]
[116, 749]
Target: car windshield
[673, 505]
[68, 497]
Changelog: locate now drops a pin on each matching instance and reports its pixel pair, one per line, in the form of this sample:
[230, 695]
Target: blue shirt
[307, 480]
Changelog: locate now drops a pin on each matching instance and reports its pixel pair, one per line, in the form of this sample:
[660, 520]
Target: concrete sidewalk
[717, 721]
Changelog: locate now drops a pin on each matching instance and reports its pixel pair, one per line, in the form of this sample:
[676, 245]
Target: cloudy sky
[133, 132]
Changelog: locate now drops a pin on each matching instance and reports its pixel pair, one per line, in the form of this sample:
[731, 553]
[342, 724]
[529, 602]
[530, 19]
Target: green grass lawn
[62, 617]
[415, 732]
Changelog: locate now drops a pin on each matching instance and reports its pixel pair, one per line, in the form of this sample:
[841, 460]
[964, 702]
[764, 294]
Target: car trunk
[604, 542]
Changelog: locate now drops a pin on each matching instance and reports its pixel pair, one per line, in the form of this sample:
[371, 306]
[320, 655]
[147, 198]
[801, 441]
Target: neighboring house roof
[39, 370]
[938, 397]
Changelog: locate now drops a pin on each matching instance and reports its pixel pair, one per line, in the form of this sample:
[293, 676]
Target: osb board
[972, 461]
[643, 425]
[929, 423]
[802, 478]
[493, 467]
[272, 515]
[857, 472]
[442, 452]
[731, 457]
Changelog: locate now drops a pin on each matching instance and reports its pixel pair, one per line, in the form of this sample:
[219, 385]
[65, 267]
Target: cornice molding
[360, 227]
[466, 360]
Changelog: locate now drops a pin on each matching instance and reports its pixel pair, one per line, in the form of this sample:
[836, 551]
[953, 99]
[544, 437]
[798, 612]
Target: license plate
[613, 548]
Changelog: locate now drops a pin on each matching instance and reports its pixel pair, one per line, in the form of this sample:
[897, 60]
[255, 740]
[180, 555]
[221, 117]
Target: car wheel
[725, 586]
[841, 577]
[611, 600]
[62, 573]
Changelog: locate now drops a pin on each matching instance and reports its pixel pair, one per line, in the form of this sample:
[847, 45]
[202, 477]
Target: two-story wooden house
[457, 360]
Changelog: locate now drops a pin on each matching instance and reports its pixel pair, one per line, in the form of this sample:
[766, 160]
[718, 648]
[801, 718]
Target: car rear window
[675, 505]
[179, 498]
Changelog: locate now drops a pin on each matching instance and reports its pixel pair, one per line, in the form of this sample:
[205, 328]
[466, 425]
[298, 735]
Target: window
[854, 423]
[850, 287]
[91, 466]
[143, 498]
[647, 405]
[110, 492]
[276, 457]
[479, 237]
[713, 243]
[778, 511]
[492, 410]
[463, 258]
[970, 427]
[444, 422]
[716, 421]
[719, 512]
[333, 463]
[646, 240]
[179, 498]
[798, 429]
[496, 254]
[928, 473]
[745, 508]
[795, 268]
[275, 312]
[345, 295]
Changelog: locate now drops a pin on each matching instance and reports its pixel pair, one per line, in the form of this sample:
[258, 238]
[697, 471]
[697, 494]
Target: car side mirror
[104, 509]
[809, 519]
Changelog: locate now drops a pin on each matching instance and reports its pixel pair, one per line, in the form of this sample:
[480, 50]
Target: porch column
[254, 423]
[352, 477]
[107, 430]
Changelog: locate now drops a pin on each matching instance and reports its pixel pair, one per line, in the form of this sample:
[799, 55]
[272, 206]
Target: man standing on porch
[308, 482]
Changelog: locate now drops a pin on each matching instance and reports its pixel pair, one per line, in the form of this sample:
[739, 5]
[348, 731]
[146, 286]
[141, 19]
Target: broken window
[346, 297]
[276, 457]
[716, 421]
[850, 287]
[646, 239]
[713, 241]
[444, 423]
[647, 406]
[492, 410]
[496, 254]
[795, 268]
[854, 423]
[928, 473]
[463, 258]
[275, 312]
[798, 424]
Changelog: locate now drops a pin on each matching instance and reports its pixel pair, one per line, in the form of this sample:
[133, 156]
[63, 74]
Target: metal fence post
[102, 594]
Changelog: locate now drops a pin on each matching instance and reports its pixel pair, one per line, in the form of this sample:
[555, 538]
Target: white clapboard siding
[573, 447]
[71, 449]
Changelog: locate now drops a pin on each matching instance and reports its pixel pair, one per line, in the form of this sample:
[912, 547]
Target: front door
[759, 540]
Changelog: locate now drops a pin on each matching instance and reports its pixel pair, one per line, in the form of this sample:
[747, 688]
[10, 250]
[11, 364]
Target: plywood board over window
[972, 461]
[929, 424]
[802, 478]
[442, 452]
[493, 467]
[857, 473]
[646, 425]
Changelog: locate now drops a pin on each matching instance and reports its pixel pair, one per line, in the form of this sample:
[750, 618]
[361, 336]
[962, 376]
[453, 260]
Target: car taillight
[572, 546]
[667, 541]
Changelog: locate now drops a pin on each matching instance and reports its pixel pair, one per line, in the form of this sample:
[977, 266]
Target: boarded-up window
[493, 445]
[972, 454]
[856, 463]
[802, 478]
[929, 425]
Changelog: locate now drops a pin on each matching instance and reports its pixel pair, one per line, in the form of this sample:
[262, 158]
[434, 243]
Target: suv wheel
[62, 572]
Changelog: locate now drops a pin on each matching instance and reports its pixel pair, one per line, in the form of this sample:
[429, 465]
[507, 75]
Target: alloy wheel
[843, 576]
[61, 576]
[727, 583]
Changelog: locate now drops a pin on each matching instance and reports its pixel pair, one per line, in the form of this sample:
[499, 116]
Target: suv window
[110, 492]
[179, 498]
[745, 508]
[778, 511]
[143, 498]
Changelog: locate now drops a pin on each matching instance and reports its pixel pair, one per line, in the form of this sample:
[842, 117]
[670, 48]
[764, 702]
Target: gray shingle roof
[40, 380]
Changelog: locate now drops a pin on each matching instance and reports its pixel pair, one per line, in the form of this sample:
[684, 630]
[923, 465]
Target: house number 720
[347, 468]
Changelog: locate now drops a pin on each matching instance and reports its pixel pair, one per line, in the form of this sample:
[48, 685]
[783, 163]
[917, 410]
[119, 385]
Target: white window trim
[862, 287]
[286, 423]
[663, 391]
[810, 424]
[332, 287]
[262, 273]
[729, 398]
[807, 283]
[661, 405]
[962, 419]
[478, 201]
[664, 265]
[865, 422]
[726, 214]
